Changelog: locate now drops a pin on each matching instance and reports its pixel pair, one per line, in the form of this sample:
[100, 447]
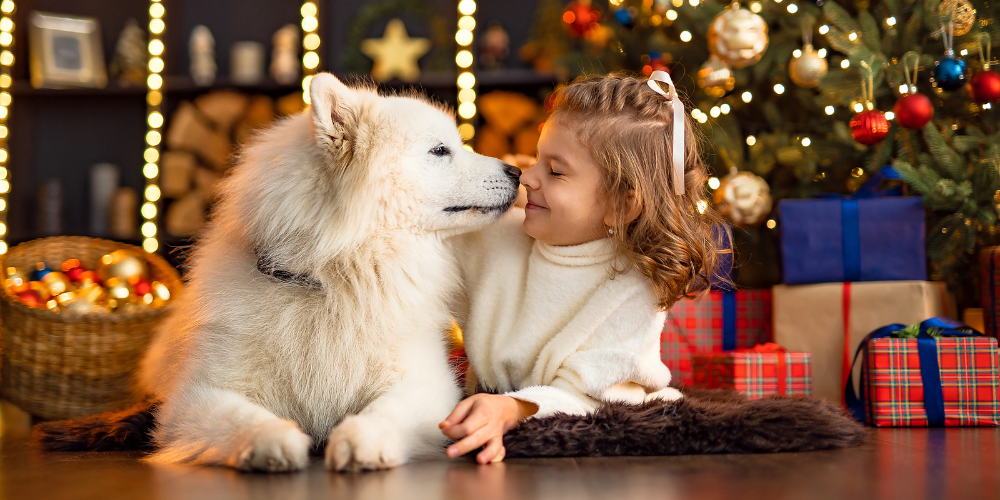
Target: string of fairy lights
[310, 42]
[6, 63]
[466, 80]
[154, 123]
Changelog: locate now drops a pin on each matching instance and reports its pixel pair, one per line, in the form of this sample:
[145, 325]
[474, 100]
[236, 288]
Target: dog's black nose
[512, 171]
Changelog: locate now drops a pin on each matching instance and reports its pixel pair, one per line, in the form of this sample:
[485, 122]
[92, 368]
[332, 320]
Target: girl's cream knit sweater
[549, 324]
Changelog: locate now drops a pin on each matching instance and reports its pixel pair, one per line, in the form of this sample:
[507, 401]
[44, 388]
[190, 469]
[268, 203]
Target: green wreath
[442, 44]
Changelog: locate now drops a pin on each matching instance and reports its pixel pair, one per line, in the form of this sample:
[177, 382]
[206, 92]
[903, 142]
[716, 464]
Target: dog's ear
[333, 111]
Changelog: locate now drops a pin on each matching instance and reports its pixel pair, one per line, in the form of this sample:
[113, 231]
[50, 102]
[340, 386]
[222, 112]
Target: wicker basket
[61, 366]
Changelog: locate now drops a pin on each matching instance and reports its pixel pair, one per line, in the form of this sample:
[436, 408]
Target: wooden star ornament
[395, 54]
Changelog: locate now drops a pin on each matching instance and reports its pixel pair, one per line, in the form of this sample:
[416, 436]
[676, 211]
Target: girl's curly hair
[628, 128]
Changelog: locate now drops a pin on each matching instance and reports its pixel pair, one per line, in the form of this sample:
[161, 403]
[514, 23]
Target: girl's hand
[482, 420]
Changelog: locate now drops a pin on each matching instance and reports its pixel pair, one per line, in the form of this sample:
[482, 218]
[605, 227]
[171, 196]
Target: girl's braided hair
[628, 127]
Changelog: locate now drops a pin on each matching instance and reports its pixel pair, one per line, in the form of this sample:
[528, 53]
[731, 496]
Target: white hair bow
[678, 106]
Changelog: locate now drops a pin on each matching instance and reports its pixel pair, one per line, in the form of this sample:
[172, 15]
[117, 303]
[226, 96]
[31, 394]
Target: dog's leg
[403, 422]
[214, 426]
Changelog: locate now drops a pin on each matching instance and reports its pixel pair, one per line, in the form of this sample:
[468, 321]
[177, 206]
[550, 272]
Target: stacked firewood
[512, 124]
[200, 140]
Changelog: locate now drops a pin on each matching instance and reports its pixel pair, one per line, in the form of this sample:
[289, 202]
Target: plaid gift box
[765, 370]
[948, 379]
[719, 321]
[989, 295]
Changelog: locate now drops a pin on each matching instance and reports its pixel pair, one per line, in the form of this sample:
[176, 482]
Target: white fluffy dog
[318, 294]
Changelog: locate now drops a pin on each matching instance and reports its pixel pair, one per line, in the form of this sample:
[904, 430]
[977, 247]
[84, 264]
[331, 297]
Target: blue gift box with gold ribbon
[870, 236]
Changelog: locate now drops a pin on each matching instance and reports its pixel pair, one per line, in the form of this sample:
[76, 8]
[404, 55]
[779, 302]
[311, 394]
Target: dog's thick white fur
[359, 195]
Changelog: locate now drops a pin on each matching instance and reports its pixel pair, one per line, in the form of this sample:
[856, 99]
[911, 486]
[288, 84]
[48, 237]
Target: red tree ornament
[869, 127]
[580, 17]
[913, 111]
[985, 87]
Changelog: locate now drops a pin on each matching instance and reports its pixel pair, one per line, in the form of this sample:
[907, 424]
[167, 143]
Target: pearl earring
[611, 232]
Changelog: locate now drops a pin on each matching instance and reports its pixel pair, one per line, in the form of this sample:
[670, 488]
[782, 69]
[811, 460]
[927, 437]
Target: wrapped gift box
[830, 320]
[936, 373]
[967, 368]
[832, 241]
[717, 322]
[764, 371]
[989, 296]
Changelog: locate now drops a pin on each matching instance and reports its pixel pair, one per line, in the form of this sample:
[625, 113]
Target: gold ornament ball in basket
[61, 365]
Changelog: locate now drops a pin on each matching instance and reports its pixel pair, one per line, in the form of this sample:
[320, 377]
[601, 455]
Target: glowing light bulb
[846, 63]
[821, 53]
[310, 60]
[853, 36]
[671, 15]
[156, 47]
[889, 115]
[714, 183]
[464, 59]
[755, 7]
[685, 36]
[824, 29]
[771, 223]
[751, 140]
[858, 107]
[891, 21]
[715, 112]
[829, 110]
[467, 110]
[150, 245]
[150, 171]
[796, 53]
[806, 141]
[148, 210]
[466, 80]
[746, 96]
[725, 109]
[792, 8]
[308, 9]
[310, 24]
[467, 7]
[311, 41]
[463, 37]
[779, 89]
[467, 23]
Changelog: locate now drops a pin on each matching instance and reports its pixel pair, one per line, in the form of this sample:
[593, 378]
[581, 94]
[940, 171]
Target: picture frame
[66, 52]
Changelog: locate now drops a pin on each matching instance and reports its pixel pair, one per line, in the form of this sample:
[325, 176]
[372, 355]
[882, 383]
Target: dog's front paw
[274, 446]
[363, 442]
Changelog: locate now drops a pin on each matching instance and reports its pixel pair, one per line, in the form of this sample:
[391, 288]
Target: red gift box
[989, 289]
[968, 368]
[765, 370]
[701, 326]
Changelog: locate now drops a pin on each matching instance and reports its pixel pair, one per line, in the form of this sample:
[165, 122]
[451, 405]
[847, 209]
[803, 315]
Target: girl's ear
[633, 207]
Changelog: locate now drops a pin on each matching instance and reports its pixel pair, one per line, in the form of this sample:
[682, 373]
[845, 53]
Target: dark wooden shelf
[484, 79]
[183, 84]
[24, 89]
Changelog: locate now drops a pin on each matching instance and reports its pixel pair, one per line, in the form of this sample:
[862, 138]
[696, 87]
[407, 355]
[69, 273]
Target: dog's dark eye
[440, 150]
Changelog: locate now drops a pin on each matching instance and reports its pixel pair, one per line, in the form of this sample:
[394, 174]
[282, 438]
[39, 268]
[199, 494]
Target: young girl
[566, 298]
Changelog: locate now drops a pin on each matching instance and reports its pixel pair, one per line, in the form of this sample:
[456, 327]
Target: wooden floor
[912, 464]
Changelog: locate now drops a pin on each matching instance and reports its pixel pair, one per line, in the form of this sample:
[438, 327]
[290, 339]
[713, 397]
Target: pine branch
[869, 31]
[840, 17]
[949, 161]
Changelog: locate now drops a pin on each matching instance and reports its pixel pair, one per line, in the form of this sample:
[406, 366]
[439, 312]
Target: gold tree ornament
[395, 54]
[960, 12]
[738, 36]
[716, 77]
[807, 68]
[743, 198]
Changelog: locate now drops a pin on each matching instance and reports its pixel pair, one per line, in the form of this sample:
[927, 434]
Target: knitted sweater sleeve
[619, 361]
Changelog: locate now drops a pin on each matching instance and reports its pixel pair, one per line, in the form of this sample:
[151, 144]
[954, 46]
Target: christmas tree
[815, 97]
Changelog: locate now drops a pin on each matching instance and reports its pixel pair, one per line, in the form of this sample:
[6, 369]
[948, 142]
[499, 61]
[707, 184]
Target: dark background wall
[61, 134]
